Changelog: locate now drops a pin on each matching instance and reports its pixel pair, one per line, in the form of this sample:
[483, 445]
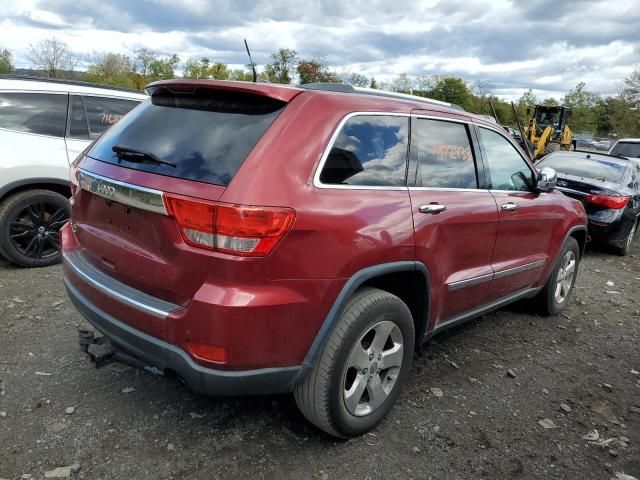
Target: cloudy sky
[546, 45]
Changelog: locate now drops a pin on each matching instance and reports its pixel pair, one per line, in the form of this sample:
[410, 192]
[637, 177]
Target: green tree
[359, 80]
[112, 69]
[242, 75]
[550, 101]
[401, 84]
[373, 83]
[525, 105]
[582, 103]
[631, 88]
[197, 69]
[280, 70]
[5, 61]
[143, 58]
[452, 90]
[310, 71]
[220, 71]
[163, 68]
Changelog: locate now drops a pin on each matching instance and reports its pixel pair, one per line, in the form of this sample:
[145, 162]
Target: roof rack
[345, 88]
[35, 78]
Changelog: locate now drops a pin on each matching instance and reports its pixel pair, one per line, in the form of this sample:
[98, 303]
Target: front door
[455, 219]
[527, 218]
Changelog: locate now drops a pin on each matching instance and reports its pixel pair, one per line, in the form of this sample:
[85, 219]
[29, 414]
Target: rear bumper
[614, 233]
[167, 357]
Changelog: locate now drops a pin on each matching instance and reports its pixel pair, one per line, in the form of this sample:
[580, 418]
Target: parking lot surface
[508, 396]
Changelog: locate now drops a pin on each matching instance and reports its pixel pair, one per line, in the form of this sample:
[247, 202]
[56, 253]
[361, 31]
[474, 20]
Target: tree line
[591, 113]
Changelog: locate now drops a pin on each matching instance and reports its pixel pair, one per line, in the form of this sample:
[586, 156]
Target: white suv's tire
[363, 366]
[30, 223]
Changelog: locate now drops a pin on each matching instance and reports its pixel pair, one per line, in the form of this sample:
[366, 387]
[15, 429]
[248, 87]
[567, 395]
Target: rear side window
[444, 155]
[207, 134]
[370, 150]
[41, 113]
[103, 112]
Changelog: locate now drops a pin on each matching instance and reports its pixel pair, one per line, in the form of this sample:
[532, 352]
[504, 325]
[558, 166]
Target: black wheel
[556, 293]
[363, 366]
[30, 223]
[626, 248]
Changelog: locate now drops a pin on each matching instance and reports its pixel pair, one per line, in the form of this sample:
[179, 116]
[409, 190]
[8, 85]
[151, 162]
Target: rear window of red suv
[204, 136]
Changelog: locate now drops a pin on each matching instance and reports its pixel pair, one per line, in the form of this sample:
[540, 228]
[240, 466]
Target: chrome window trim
[125, 193]
[448, 189]
[453, 286]
[76, 267]
[334, 136]
[570, 190]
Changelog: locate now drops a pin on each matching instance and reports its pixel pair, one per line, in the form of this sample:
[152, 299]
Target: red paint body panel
[266, 312]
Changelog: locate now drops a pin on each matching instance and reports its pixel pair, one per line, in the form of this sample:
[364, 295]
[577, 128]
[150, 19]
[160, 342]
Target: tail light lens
[234, 229]
[608, 201]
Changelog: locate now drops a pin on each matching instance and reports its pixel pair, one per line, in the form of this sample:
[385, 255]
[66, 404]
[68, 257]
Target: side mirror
[547, 179]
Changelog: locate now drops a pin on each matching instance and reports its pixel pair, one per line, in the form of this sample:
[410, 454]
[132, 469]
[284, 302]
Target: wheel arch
[54, 184]
[393, 277]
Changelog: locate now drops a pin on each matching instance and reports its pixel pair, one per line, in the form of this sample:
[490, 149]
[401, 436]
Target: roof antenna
[253, 65]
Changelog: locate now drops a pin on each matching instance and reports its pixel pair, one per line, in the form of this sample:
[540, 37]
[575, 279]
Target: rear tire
[30, 223]
[626, 248]
[556, 293]
[363, 366]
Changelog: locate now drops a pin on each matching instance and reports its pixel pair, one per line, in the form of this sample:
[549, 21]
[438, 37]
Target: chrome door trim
[453, 286]
[469, 282]
[121, 192]
[521, 268]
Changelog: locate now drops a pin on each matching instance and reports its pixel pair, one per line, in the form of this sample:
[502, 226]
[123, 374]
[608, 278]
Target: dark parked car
[257, 238]
[609, 188]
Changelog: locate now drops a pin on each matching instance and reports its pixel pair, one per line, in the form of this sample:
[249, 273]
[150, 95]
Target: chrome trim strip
[121, 192]
[118, 290]
[521, 268]
[570, 190]
[446, 189]
[453, 286]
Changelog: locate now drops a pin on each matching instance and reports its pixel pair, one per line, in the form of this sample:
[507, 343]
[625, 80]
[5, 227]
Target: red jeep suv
[255, 238]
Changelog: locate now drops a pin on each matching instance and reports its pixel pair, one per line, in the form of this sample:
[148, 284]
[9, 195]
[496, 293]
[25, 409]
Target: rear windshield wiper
[132, 155]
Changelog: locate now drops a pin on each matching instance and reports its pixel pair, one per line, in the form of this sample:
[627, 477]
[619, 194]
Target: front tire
[556, 293]
[363, 366]
[30, 223]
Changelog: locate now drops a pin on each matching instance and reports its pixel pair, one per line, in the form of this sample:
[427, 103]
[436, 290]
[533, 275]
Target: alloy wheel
[372, 368]
[35, 231]
[632, 234]
[564, 279]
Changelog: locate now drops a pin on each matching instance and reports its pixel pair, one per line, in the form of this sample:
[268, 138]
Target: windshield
[626, 149]
[596, 168]
[547, 117]
[203, 136]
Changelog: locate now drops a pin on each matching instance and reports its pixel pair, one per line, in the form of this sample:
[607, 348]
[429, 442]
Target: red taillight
[235, 229]
[608, 201]
[195, 219]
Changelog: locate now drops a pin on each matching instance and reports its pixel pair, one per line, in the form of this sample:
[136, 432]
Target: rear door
[527, 218]
[455, 216]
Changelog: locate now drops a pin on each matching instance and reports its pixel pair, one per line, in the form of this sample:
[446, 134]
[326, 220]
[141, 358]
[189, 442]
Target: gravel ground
[477, 403]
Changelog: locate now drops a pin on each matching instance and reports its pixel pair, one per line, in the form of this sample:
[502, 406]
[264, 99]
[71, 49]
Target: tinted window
[599, 168]
[444, 154]
[206, 134]
[77, 120]
[370, 150]
[45, 114]
[507, 169]
[626, 149]
[104, 112]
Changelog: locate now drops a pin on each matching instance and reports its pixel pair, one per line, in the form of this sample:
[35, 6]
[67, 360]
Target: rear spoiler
[283, 93]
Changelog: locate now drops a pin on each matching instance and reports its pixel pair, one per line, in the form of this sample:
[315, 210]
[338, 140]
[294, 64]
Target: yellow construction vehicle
[548, 130]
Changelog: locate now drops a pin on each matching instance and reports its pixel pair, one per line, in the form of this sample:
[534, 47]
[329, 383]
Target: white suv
[627, 147]
[44, 125]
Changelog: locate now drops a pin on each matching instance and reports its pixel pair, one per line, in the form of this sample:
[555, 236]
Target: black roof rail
[345, 88]
[35, 78]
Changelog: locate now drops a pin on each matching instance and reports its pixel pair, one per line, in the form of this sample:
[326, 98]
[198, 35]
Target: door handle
[432, 208]
[509, 207]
